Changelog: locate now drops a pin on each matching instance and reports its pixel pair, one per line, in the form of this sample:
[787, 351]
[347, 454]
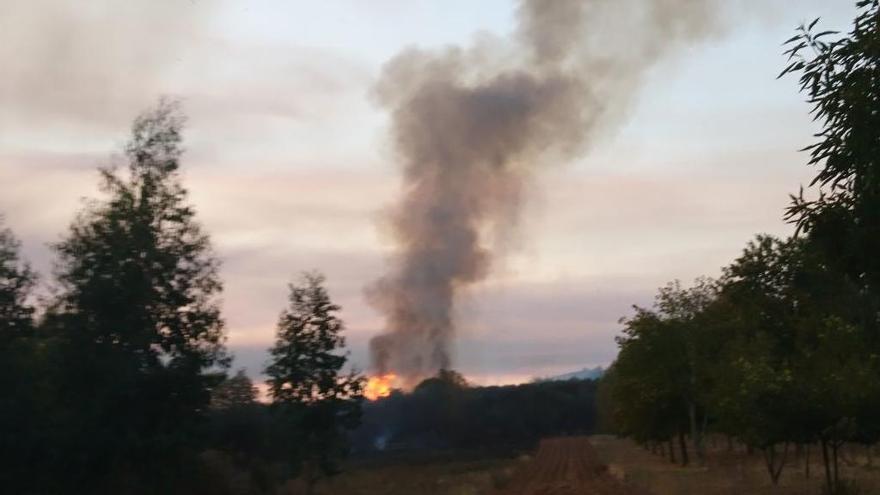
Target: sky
[290, 166]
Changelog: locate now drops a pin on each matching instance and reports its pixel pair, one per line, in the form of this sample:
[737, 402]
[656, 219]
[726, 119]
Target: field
[420, 474]
[565, 466]
[598, 465]
[560, 466]
[728, 472]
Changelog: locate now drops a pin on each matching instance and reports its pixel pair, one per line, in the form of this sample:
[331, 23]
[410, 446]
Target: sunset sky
[290, 167]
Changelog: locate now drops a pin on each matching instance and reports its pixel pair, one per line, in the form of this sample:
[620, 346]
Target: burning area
[380, 386]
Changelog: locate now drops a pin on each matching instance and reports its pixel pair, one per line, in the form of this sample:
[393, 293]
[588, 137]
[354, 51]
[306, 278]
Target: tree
[664, 369]
[21, 387]
[240, 432]
[651, 381]
[138, 312]
[693, 312]
[797, 369]
[16, 281]
[238, 391]
[841, 79]
[307, 384]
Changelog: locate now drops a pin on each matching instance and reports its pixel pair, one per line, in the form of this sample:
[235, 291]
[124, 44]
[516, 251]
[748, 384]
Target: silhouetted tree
[841, 79]
[840, 75]
[242, 437]
[16, 281]
[445, 412]
[237, 391]
[307, 384]
[138, 312]
[22, 387]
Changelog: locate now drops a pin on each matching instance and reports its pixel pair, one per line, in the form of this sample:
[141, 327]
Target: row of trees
[444, 412]
[106, 386]
[783, 349]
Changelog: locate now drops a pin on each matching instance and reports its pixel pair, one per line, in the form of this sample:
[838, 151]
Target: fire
[379, 386]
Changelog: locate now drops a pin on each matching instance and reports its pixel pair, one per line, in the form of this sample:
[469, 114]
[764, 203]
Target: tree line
[782, 351]
[445, 412]
[116, 382]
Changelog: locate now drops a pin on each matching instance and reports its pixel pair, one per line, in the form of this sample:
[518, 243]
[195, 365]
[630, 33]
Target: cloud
[75, 73]
[92, 62]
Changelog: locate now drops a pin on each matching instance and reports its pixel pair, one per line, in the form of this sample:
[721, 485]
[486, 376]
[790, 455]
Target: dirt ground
[560, 466]
[565, 466]
[597, 465]
[728, 472]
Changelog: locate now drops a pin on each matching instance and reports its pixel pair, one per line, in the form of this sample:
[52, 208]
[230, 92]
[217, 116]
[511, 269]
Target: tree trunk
[775, 463]
[807, 461]
[696, 434]
[769, 460]
[729, 443]
[835, 446]
[703, 434]
[781, 463]
[684, 450]
[825, 461]
[671, 451]
[870, 461]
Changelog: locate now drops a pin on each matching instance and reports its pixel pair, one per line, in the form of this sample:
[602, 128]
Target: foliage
[681, 338]
[16, 282]
[22, 401]
[443, 412]
[237, 391]
[841, 79]
[786, 349]
[773, 355]
[306, 380]
[137, 314]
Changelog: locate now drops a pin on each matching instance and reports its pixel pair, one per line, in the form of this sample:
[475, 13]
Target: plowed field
[565, 466]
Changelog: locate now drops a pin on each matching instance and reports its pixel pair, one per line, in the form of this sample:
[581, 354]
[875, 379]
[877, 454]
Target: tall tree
[307, 383]
[651, 381]
[20, 377]
[681, 341]
[840, 75]
[841, 79]
[138, 309]
[16, 281]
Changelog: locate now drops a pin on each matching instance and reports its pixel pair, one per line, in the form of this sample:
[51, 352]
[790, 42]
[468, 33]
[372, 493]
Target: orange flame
[379, 386]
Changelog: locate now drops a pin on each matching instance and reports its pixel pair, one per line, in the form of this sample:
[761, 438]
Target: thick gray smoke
[471, 126]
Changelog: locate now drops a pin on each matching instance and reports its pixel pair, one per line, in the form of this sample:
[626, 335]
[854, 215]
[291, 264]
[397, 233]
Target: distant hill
[584, 374]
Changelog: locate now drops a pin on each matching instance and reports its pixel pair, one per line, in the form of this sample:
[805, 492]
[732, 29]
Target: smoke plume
[471, 126]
